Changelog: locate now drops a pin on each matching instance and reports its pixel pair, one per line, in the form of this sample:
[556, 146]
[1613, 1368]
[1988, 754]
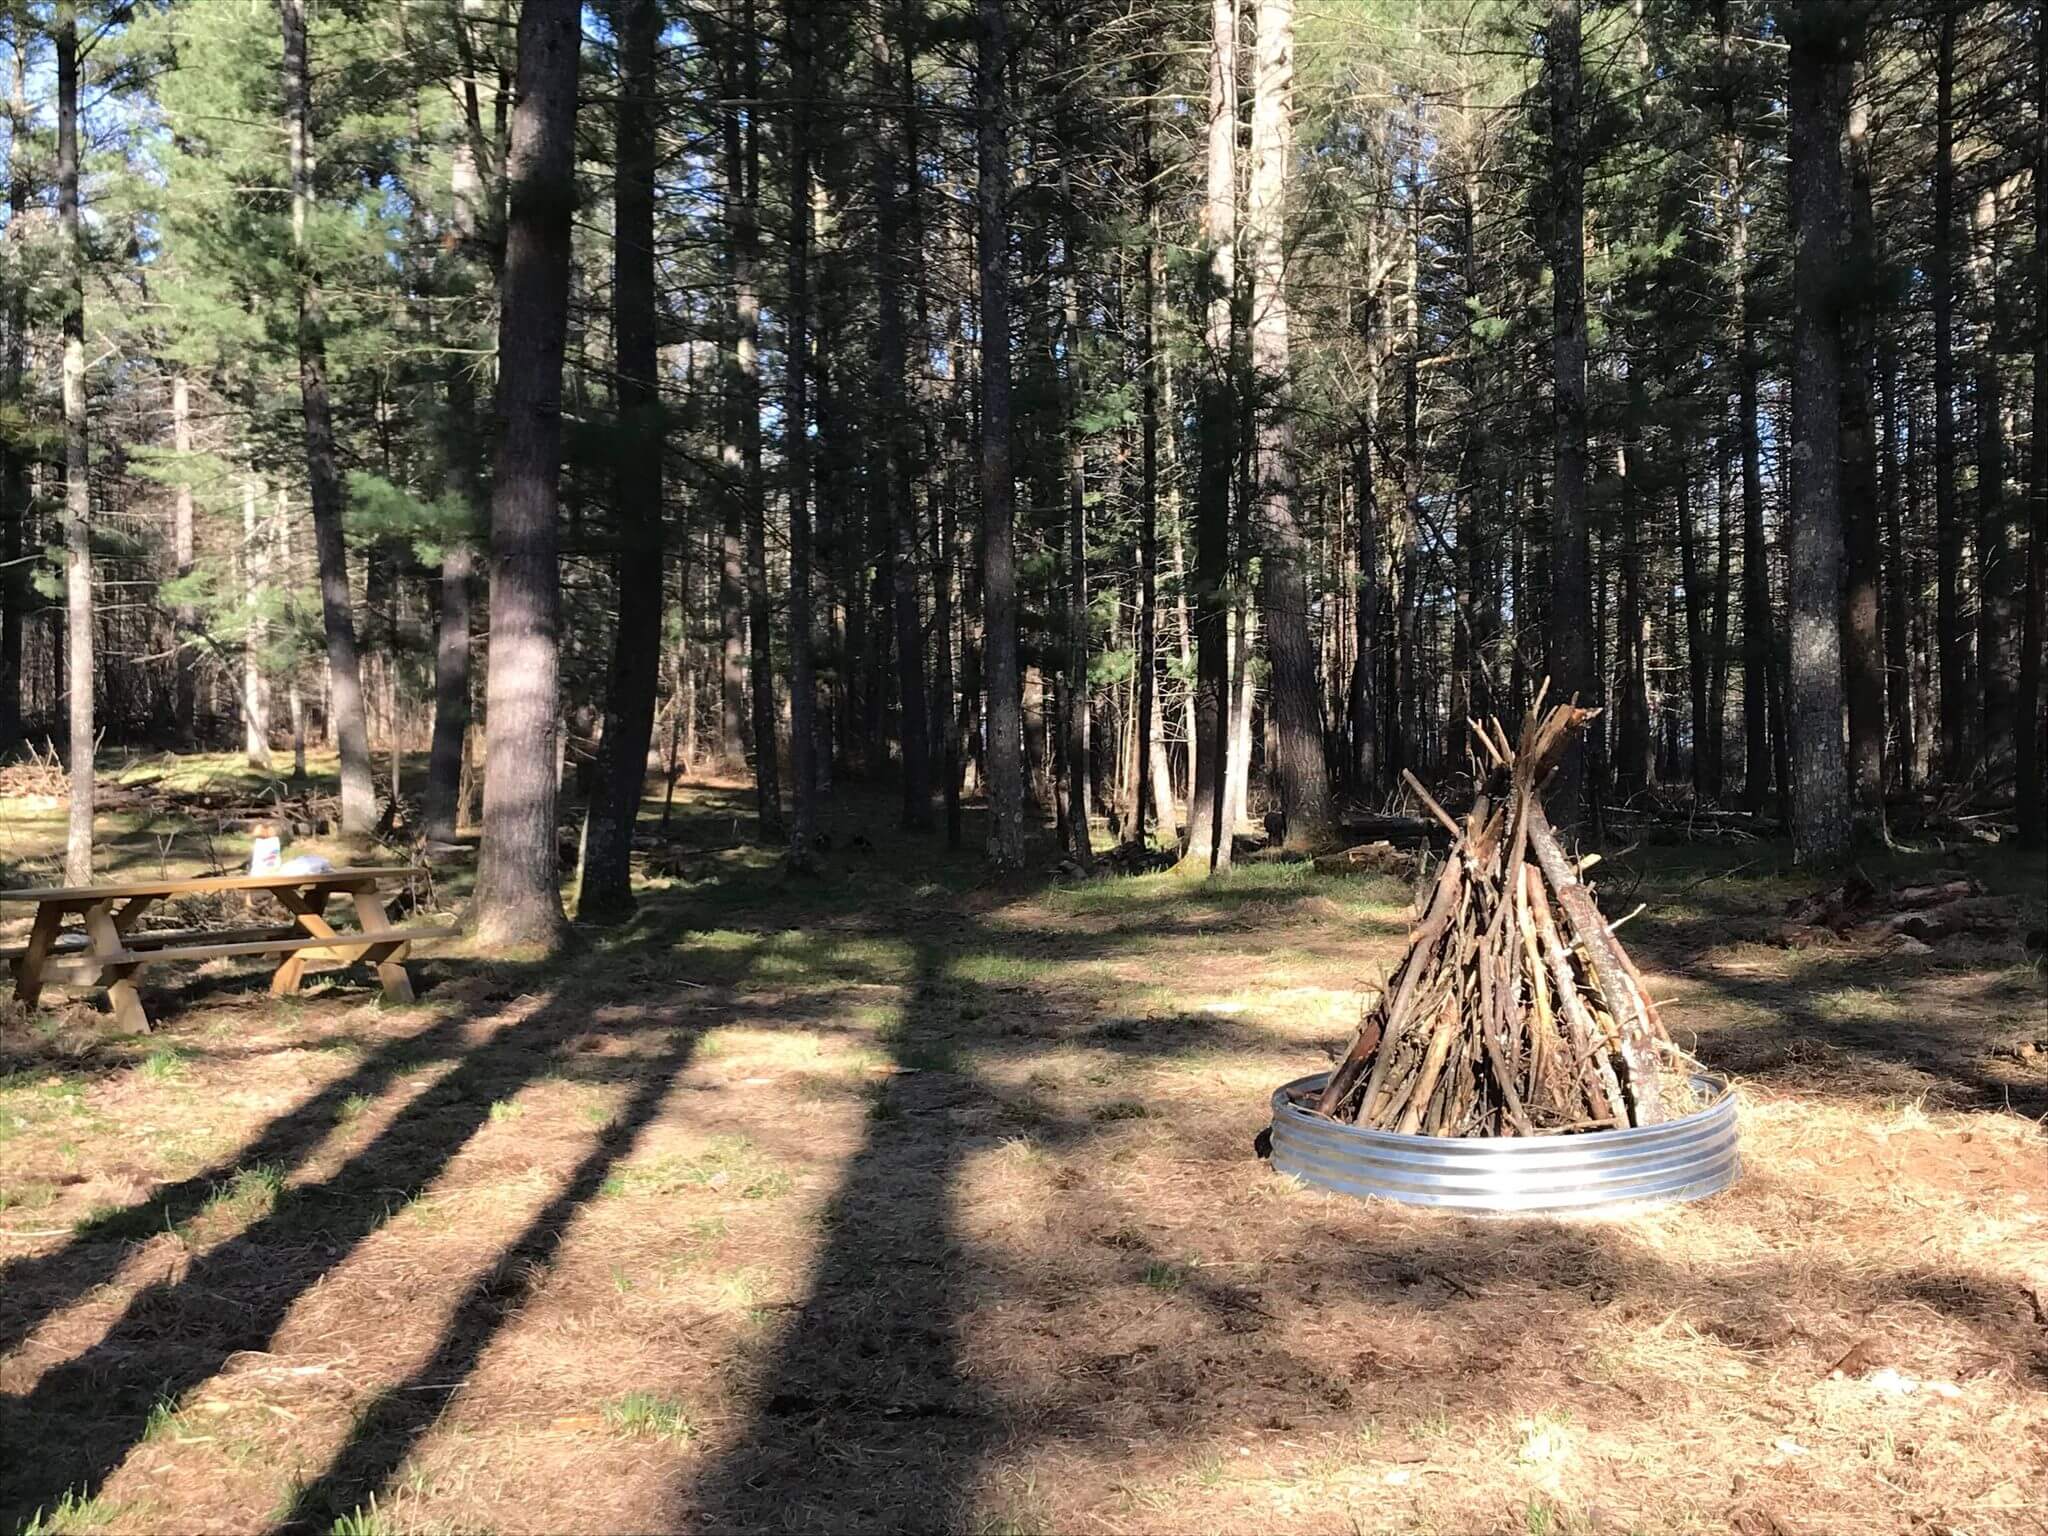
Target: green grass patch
[252, 1192]
[1162, 1276]
[363, 1520]
[35, 1195]
[165, 1064]
[649, 1416]
[162, 1422]
[732, 1165]
[72, 1513]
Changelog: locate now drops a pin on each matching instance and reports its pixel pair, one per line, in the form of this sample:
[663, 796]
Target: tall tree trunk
[14, 465]
[1635, 760]
[1404, 706]
[746, 249]
[737, 486]
[1151, 751]
[1822, 58]
[323, 473]
[1571, 625]
[1697, 661]
[1364, 765]
[1952, 639]
[605, 887]
[1209, 845]
[1004, 746]
[460, 449]
[518, 900]
[2031, 784]
[1997, 616]
[1862, 637]
[257, 537]
[77, 483]
[892, 451]
[1902, 748]
[796, 449]
[1077, 692]
[1756, 570]
[184, 617]
[1295, 699]
[295, 697]
[1724, 565]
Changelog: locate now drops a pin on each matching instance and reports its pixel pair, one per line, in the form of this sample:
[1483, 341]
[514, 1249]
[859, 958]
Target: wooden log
[1441, 905]
[1426, 1080]
[1492, 1019]
[1589, 930]
[1601, 1090]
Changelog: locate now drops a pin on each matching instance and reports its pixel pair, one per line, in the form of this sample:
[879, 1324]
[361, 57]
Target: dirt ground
[889, 1199]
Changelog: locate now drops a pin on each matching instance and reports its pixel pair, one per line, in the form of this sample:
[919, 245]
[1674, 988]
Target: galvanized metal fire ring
[1683, 1159]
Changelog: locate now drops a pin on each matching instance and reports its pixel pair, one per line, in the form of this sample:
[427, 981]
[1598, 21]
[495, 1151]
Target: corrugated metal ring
[1684, 1159]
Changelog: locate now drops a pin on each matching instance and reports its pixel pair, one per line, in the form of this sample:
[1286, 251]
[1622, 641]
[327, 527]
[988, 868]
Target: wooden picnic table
[110, 949]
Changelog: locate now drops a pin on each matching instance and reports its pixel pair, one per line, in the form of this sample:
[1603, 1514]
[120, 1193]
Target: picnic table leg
[125, 918]
[28, 970]
[388, 958]
[306, 906]
[122, 998]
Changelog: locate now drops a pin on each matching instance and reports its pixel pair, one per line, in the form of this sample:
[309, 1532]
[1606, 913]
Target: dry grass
[890, 1201]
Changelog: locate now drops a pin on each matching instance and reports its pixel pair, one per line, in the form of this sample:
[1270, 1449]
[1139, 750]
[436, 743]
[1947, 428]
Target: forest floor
[893, 1199]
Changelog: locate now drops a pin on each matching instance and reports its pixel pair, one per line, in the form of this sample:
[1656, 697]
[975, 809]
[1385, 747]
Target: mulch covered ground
[889, 1200]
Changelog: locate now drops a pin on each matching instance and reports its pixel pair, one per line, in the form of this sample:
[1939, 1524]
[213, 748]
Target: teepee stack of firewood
[1514, 1011]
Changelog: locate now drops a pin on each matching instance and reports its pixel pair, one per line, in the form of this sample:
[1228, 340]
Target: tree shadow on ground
[869, 1410]
[876, 1410]
[86, 1414]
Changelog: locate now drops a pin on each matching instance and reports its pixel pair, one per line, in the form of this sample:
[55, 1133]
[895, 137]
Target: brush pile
[1514, 1011]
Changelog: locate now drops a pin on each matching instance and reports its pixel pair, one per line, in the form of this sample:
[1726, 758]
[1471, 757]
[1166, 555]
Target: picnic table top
[191, 886]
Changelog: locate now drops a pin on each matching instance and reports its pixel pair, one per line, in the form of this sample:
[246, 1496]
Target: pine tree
[517, 902]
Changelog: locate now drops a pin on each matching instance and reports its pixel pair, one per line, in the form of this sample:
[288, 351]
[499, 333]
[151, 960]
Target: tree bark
[14, 467]
[1077, 693]
[796, 450]
[1364, 765]
[459, 457]
[1756, 570]
[2031, 751]
[1571, 624]
[1997, 607]
[1862, 636]
[1952, 639]
[604, 890]
[184, 617]
[518, 900]
[746, 247]
[347, 722]
[77, 466]
[1902, 746]
[891, 472]
[257, 537]
[1299, 767]
[1004, 746]
[1697, 662]
[737, 486]
[1209, 835]
[1724, 562]
[1822, 56]
[1151, 753]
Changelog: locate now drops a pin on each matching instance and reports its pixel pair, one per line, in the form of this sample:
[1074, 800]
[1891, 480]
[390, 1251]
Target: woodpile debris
[1514, 1010]
[1914, 918]
[1376, 858]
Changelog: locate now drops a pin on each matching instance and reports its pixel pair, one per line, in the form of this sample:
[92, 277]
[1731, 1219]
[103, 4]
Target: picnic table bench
[107, 949]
